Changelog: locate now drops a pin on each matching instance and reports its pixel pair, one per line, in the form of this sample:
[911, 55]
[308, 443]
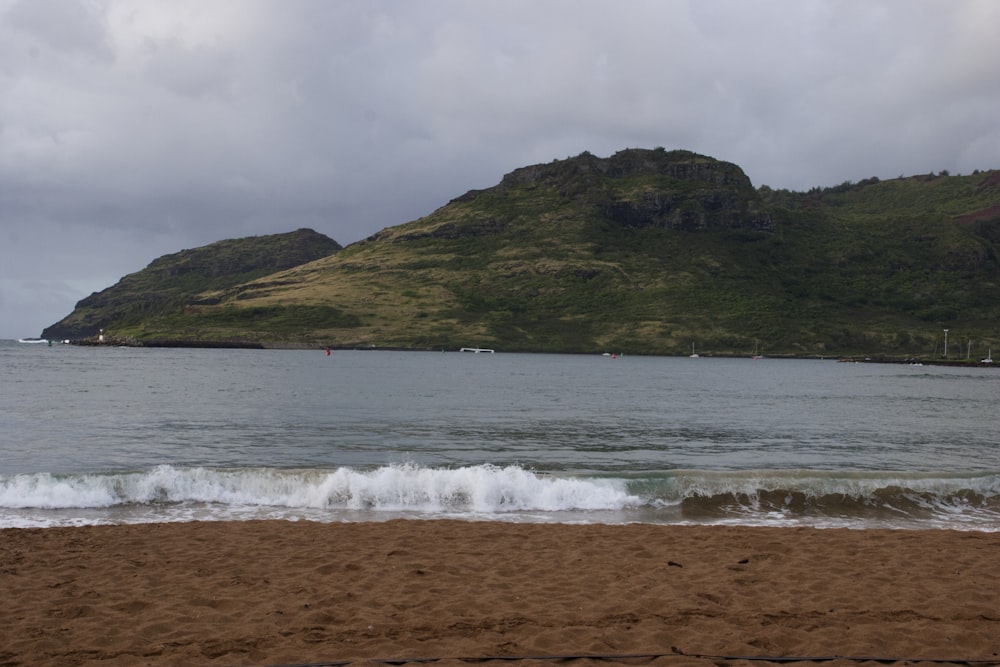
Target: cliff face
[636, 188]
[633, 162]
[169, 281]
[670, 210]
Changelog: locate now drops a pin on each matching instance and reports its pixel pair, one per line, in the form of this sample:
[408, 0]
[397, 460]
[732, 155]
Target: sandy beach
[279, 593]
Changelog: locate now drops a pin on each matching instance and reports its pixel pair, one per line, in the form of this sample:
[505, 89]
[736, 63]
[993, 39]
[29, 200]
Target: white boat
[693, 355]
[32, 340]
[989, 357]
[476, 350]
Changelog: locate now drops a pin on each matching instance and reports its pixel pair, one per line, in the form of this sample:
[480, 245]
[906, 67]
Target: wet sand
[278, 593]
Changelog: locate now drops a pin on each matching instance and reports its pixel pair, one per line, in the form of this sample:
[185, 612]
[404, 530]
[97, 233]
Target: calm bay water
[91, 435]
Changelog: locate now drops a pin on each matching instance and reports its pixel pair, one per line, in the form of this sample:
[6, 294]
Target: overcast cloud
[129, 130]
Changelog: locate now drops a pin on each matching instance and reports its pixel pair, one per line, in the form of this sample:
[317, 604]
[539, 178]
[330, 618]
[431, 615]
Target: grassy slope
[171, 281]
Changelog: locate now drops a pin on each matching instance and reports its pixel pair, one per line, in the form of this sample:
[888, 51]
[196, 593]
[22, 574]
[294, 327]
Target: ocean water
[120, 435]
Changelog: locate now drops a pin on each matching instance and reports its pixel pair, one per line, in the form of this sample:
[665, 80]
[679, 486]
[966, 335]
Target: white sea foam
[171, 493]
[47, 491]
[482, 488]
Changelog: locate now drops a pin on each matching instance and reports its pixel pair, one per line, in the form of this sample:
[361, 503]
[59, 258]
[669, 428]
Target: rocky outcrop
[677, 190]
[691, 213]
[633, 162]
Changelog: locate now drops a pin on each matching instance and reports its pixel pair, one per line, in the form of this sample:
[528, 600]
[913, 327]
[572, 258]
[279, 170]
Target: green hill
[647, 251]
[169, 283]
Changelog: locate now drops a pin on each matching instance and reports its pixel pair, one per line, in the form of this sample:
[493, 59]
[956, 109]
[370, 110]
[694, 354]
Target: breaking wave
[169, 493]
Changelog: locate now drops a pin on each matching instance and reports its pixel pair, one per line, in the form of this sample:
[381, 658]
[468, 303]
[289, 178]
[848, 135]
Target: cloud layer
[129, 130]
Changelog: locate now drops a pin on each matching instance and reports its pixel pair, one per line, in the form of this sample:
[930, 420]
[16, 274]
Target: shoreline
[281, 592]
[111, 341]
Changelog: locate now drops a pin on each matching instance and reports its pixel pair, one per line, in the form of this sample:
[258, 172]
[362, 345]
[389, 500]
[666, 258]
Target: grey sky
[133, 129]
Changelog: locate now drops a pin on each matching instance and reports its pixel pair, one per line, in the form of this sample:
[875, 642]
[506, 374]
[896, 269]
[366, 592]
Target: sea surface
[124, 435]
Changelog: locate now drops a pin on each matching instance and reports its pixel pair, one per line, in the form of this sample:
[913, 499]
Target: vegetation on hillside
[647, 251]
[170, 282]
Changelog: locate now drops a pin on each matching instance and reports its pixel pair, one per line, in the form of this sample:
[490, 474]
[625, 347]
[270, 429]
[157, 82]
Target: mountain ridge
[645, 251]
